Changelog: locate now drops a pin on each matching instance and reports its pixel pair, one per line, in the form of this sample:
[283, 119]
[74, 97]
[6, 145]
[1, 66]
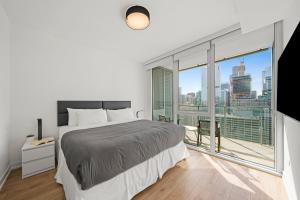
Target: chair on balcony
[194, 130]
[163, 118]
[204, 129]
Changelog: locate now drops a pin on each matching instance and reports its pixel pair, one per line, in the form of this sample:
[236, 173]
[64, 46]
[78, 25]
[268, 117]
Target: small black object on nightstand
[40, 132]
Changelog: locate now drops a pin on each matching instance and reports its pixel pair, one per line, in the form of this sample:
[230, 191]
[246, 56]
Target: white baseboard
[9, 168]
[4, 176]
[15, 165]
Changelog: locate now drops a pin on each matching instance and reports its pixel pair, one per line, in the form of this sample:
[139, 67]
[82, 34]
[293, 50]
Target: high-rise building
[204, 86]
[181, 100]
[253, 94]
[225, 98]
[217, 84]
[192, 94]
[225, 95]
[191, 98]
[198, 98]
[225, 86]
[239, 70]
[240, 83]
[267, 81]
[266, 74]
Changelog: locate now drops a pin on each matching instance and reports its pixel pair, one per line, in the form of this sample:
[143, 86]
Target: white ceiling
[100, 23]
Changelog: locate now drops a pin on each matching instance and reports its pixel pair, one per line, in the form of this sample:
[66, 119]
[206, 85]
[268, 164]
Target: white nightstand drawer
[37, 166]
[37, 153]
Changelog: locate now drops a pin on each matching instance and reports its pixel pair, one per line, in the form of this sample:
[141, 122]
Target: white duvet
[125, 185]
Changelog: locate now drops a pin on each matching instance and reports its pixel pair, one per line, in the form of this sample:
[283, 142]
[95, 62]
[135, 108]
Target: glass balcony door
[162, 94]
[193, 97]
[243, 97]
[224, 92]
[193, 105]
[225, 97]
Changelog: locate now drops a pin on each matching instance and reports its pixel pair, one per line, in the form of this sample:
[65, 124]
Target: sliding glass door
[162, 94]
[193, 97]
[225, 96]
[243, 106]
[193, 104]
[223, 92]
[244, 96]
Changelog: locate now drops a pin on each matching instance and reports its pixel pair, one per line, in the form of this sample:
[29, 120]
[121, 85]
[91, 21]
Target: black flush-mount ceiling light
[137, 17]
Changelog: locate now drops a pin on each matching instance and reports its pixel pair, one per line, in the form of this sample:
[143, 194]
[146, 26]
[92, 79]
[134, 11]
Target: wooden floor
[199, 177]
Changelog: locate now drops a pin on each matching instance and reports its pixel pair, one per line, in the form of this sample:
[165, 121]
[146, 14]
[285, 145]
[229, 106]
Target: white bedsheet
[125, 185]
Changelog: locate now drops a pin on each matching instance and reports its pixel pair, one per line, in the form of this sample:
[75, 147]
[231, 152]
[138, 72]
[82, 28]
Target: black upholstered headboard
[62, 112]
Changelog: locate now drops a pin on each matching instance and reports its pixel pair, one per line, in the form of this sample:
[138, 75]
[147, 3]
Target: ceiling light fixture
[137, 17]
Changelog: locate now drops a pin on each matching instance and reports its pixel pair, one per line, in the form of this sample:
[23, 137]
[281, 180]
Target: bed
[128, 178]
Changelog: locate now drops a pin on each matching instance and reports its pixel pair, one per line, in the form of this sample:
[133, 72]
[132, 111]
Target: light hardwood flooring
[199, 177]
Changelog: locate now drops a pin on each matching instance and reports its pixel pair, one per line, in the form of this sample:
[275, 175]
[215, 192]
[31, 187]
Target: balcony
[244, 135]
[246, 150]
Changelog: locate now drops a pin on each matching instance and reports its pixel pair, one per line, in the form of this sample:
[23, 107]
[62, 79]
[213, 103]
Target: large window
[225, 97]
[243, 104]
[244, 95]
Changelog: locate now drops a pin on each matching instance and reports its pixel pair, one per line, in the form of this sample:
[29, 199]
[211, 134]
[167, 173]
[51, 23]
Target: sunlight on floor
[250, 151]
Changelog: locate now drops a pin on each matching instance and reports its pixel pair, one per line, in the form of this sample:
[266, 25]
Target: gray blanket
[98, 154]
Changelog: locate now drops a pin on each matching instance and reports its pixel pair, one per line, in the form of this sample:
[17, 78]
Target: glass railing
[244, 136]
[256, 128]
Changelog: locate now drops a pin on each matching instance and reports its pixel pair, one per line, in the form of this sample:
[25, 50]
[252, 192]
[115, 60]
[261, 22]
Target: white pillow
[72, 117]
[90, 117]
[120, 115]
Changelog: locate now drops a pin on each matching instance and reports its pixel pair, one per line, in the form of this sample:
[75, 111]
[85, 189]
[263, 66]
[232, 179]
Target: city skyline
[256, 63]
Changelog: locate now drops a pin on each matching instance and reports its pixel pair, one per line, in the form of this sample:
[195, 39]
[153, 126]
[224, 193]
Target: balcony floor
[250, 151]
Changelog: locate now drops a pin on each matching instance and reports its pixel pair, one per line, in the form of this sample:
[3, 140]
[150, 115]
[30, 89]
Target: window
[243, 106]
[193, 89]
[193, 93]
[226, 94]
[244, 95]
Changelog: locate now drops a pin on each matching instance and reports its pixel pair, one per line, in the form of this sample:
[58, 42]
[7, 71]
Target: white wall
[291, 174]
[255, 14]
[4, 92]
[46, 69]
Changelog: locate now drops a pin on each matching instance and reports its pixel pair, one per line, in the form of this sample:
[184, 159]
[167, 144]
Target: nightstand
[37, 159]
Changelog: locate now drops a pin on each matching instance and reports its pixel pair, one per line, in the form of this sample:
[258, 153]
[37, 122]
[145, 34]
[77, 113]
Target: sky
[190, 80]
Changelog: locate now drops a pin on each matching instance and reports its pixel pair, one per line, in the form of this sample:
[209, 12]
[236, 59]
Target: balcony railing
[256, 127]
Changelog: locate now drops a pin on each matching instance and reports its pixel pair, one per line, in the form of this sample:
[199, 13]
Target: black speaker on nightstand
[40, 132]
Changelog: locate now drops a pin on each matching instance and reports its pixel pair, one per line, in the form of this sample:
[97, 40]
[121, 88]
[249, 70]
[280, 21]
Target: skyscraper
[267, 81]
[225, 86]
[198, 98]
[253, 94]
[217, 84]
[204, 86]
[191, 98]
[239, 70]
[225, 94]
[240, 83]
